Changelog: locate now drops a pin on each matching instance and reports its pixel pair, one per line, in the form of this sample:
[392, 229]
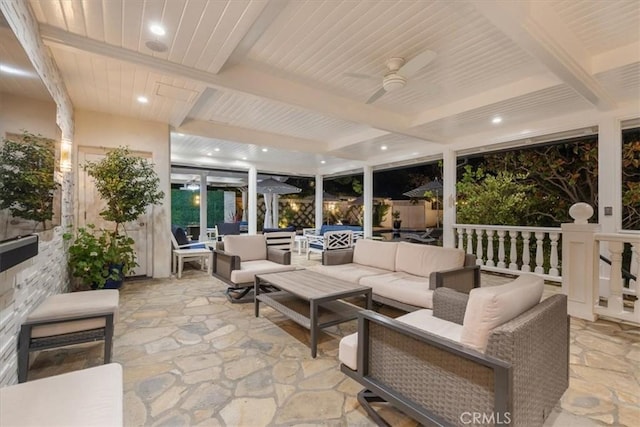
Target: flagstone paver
[192, 358]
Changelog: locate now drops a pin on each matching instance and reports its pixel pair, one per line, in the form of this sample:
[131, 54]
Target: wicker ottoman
[67, 319]
[89, 397]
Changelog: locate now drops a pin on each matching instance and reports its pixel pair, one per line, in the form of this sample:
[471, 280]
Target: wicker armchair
[238, 259]
[517, 379]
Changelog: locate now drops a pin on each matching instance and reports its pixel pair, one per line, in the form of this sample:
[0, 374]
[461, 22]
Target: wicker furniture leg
[365, 398]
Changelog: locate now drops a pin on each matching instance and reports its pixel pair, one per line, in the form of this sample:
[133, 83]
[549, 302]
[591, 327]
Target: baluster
[553, 259]
[513, 252]
[539, 253]
[490, 262]
[614, 302]
[470, 240]
[460, 238]
[501, 263]
[526, 257]
[479, 253]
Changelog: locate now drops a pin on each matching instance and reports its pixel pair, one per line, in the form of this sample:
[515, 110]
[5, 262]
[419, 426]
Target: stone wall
[24, 286]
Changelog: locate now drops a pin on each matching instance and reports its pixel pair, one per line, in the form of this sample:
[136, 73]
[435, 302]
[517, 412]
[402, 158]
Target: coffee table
[310, 299]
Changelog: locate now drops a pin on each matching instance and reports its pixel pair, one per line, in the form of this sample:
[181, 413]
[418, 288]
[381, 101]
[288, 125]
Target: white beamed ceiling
[243, 75]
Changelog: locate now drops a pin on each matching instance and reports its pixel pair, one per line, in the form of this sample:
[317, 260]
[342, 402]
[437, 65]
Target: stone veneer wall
[24, 286]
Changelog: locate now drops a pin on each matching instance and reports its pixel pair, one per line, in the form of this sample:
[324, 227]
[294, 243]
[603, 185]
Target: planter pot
[111, 283]
[397, 223]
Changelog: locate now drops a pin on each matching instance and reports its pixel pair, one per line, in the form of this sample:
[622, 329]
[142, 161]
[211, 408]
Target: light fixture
[157, 29]
[384, 147]
[143, 99]
[496, 120]
[264, 150]
[323, 161]
[65, 155]
[196, 200]
[209, 154]
[216, 149]
[7, 69]
[244, 158]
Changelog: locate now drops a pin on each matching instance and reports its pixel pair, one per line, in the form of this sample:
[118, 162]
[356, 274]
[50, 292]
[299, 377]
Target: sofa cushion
[402, 287]
[491, 306]
[335, 227]
[422, 260]
[247, 247]
[375, 253]
[349, 272]
[249, 269]
[421, 319]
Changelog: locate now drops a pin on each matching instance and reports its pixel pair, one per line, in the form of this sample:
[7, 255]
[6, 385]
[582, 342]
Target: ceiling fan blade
[376, 95]
[417, 63]
[361, 76]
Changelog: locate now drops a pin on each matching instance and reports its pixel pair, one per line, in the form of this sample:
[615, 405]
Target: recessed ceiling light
[264, 150]
[496, 120]
[244, 158]
[216, 149]
[157, 29]
[384, 147]
[323, 161]
[143, 99]
[180, 134]
[209, 154]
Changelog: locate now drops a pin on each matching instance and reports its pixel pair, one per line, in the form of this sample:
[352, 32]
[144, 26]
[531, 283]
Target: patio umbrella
[328, 197]
[435, 186]
[268, 187]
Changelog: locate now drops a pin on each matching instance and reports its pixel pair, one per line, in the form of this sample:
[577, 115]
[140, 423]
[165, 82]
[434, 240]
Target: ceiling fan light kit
[393, 81]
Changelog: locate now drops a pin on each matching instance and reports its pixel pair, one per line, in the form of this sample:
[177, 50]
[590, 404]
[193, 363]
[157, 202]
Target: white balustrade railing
[613, 298]
[508, 249]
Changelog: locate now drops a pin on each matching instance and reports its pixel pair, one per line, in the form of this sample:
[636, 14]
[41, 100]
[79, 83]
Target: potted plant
[129, 185]
[397, 222]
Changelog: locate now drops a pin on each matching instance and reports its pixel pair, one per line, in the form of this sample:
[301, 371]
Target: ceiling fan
[398, 72]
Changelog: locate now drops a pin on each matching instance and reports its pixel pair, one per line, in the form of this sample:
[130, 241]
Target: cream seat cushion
[422, 260]
[247, 247]
[74, 304]
[88, 397]
[421, 319]
[375, 253]
[403, 287]
[491, 306]
[249, 269]
[349, 272]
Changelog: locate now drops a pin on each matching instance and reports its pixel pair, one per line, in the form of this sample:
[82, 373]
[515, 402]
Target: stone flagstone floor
[191, 358]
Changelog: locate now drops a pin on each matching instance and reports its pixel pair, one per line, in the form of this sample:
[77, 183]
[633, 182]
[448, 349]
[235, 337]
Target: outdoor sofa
[401, 274]
[497, 356]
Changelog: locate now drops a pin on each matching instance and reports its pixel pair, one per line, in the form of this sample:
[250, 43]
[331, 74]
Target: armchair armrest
[224, 263]
[419, 372]
[337, 256]
[461, 279]
[449, 305]
[278, 255]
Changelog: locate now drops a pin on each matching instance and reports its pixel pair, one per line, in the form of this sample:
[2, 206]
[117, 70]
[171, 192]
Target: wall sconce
[196, 200]
[65, 155]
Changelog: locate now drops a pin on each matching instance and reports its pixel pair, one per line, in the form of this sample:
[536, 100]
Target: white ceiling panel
[297, 74]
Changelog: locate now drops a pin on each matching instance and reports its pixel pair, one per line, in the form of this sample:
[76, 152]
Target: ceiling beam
[538, 30]
[243, 79]
[251, 136]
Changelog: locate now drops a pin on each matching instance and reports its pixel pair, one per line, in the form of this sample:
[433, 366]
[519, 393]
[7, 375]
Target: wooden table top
[310, 285]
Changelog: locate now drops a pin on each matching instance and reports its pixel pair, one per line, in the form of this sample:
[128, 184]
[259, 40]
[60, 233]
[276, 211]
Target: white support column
[368, 202]
[244, 205]
[449, 197]
[253, 201]
[319, 191]
[579, 257]
[203, 207]
[275, 211]
[610, 174]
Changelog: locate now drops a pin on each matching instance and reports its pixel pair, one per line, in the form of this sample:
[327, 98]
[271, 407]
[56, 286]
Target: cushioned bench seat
[89, 397]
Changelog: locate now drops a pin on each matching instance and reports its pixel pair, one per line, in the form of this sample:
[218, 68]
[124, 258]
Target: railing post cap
[581, 212]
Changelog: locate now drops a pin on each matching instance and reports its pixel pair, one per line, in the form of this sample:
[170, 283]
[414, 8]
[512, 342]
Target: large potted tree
[129, 185]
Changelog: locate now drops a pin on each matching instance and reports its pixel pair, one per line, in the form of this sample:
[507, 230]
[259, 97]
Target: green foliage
[27, 180]
[484, 198]
[127, 183]
[395, 215]
[96, 255]
[185, 212]
[380, 211]
[631, 180]
[287, 217]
